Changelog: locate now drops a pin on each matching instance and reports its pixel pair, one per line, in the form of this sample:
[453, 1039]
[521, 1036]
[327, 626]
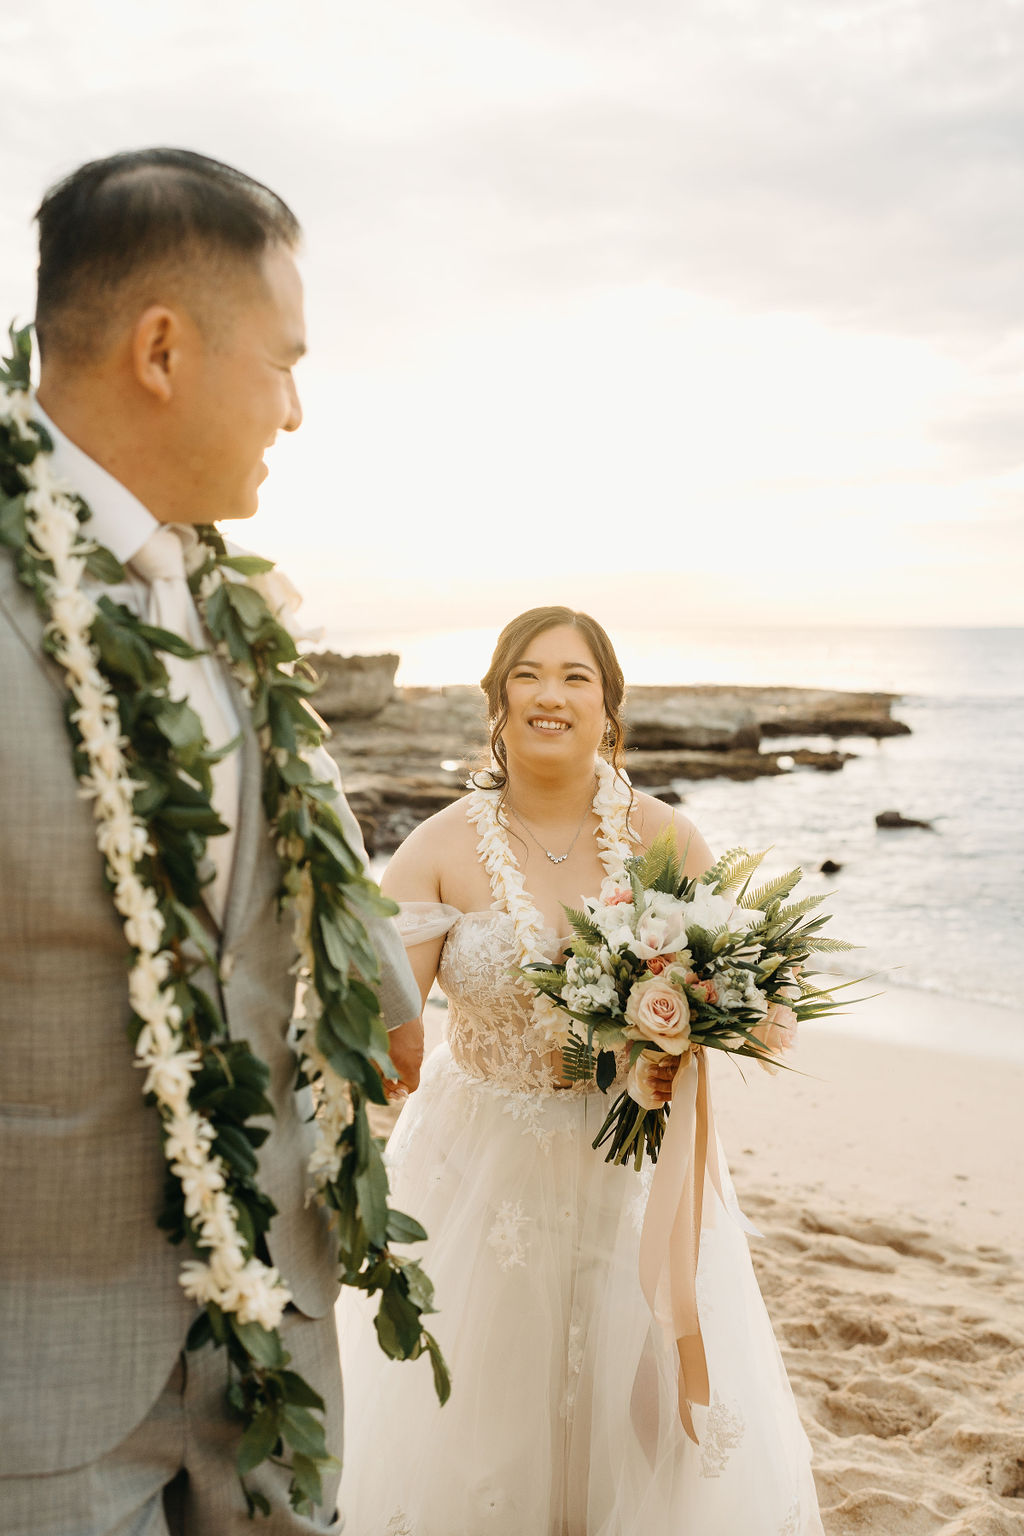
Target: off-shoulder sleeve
[419, 921]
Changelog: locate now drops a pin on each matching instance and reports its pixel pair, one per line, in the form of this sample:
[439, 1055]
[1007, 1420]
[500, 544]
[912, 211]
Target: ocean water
[940, 910]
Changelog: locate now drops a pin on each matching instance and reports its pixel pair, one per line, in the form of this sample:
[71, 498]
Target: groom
[169, 321]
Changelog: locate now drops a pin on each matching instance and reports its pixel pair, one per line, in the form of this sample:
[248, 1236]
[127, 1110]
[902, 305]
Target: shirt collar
[119, 521]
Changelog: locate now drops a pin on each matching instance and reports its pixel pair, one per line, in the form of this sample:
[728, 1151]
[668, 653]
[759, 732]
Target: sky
[681, 311]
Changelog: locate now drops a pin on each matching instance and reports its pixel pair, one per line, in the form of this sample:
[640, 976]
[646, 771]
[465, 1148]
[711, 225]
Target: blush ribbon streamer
[670, 1240]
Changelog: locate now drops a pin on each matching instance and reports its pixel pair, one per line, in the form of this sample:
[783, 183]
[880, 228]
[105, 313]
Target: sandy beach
[887, 1185]
[885, 1179]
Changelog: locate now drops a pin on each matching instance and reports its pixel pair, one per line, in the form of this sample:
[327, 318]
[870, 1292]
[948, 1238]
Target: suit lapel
[19, 607]
[251, 832]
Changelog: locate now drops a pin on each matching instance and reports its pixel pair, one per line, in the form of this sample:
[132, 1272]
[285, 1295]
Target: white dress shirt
[123, 525]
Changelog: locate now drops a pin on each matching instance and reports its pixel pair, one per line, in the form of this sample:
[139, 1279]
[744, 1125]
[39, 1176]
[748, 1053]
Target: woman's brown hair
[512, 644]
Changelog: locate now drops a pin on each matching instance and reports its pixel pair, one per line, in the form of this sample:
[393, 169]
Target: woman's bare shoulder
[419, 861]
[651, 816]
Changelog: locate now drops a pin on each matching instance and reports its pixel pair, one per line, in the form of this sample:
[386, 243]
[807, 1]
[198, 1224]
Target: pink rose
[658, 1011]
[707, 989]
[776, 1032]
[641, 1085]
[658, 963]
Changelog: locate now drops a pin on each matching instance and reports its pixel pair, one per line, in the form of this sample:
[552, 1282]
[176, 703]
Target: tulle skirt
[562, 1419]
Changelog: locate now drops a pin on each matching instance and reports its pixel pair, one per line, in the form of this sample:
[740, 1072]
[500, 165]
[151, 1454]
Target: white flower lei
[611, 807]
[248, 1288]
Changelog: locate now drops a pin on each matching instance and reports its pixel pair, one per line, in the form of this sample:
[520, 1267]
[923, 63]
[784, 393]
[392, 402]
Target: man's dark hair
[114, 223]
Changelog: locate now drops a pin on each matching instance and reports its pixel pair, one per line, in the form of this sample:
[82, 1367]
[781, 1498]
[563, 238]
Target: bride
[563, 1417]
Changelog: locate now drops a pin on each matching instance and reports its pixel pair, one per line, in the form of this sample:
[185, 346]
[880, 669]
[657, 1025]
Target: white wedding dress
[562, 1419]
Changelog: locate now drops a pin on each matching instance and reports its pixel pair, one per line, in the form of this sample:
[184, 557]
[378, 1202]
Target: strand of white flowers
[331, 1100]
[251, 1290]
[508, 887]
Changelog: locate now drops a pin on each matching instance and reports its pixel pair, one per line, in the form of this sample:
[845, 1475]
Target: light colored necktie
[161, 564]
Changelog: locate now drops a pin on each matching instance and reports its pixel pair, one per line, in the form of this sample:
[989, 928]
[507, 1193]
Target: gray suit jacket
[91, 1313]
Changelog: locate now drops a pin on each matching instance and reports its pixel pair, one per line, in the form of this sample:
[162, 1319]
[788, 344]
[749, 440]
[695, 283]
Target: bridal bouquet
[660, 963]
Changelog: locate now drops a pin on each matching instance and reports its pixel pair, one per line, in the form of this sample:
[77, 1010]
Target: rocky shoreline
[404, 753]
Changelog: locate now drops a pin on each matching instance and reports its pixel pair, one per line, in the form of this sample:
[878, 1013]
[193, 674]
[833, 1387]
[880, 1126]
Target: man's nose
[294, 419]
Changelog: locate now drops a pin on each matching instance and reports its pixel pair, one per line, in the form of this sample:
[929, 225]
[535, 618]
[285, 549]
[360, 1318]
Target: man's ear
[157, 350]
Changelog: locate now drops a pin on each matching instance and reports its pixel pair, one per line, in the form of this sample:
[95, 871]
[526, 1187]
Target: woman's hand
[651, 1078]
[405, 1047]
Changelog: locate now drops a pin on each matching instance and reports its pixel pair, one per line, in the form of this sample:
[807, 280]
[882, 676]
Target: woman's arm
[413, 875]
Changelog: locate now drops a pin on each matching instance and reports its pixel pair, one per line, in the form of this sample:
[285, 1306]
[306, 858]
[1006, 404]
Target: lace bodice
[492, 1032]
[500, 1029]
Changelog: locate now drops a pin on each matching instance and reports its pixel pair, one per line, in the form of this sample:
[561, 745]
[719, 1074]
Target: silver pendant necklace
[556, 858]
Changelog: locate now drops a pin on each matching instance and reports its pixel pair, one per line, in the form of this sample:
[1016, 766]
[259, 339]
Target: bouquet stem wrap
[670, 1240]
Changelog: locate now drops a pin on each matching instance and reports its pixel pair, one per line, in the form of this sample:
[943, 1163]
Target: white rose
[661, 927]
[710, 911]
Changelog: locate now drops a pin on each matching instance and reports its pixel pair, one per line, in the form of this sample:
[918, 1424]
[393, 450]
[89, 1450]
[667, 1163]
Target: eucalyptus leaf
[259, 1440]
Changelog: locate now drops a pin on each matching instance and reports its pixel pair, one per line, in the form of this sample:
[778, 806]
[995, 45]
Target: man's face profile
[241, 391]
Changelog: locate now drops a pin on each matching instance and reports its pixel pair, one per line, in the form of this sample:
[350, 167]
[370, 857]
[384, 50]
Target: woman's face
[556, 713]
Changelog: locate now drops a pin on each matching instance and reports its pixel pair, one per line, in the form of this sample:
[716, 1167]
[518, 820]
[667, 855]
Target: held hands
[405, 1046]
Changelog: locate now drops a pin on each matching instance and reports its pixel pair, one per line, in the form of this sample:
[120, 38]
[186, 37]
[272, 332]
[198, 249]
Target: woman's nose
[550, 692]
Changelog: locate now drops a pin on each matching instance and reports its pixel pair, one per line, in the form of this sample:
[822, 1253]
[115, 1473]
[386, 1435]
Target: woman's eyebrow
[567, 666]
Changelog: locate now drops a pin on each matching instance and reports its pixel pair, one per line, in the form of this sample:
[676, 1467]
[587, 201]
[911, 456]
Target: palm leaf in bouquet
[762, 898]
[732, 869]
[660, 868]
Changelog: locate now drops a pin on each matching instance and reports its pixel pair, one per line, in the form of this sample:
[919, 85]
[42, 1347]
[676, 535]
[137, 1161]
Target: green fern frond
[773, 890]
[659, 864]
[544, 976]
[826, 946]
[732, 869]
[787, 914]
[587, 930]
[578, 1063]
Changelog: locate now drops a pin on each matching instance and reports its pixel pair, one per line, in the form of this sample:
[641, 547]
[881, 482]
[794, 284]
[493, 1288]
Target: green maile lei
[207, 1087]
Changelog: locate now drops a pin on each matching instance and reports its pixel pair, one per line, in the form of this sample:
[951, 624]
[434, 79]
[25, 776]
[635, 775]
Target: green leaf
[421, 1287]
[306, 1475]
[404, 1229]
[167, 640]
[200, 1332]
[256, 1503]
[13, 531]
[103, 566]
[264, 1346]
[372, 1194]
[303, 1432]
[17, 372]
[732, 869]
[259, 1440]
[179, 725]
[397, 1322]
[247, 565]
[772, 891]
[442, 1378]
[606, 1069]
[248, 604]
[298, 1390]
